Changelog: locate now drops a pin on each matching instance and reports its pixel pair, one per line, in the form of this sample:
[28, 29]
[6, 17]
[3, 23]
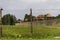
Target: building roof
[49, 15]
[40, 17]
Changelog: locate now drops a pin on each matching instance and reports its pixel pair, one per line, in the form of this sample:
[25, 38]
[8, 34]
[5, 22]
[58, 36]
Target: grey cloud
[15, 7]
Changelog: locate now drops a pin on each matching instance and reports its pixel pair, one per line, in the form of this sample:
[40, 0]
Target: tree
[45, 16]
[58, 17]
[8, 19]
[27, 18]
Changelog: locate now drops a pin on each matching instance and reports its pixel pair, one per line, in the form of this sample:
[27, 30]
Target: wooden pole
[1, 22]
[31, 27]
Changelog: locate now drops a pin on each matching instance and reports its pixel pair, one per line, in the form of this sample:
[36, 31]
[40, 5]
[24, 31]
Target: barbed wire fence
[46, 11]
[38, 22]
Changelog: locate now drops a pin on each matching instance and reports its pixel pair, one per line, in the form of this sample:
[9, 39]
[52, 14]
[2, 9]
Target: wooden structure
[40, 17]
[49, 18]
[1, 22]
[31, 26]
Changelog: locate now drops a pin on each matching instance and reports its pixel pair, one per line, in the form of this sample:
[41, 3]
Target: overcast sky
[21, 7]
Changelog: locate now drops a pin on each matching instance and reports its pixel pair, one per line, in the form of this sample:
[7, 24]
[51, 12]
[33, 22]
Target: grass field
[21, 32]
[29, 39]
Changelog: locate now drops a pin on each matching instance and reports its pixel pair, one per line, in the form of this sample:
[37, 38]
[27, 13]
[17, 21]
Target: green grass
[28, 39]
[40, 32]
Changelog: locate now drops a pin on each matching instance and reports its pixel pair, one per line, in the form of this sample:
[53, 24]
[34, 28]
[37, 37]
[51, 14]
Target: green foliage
[45, 16]
[8, 19]
[39, 32]
[58, 17]
[28, 18]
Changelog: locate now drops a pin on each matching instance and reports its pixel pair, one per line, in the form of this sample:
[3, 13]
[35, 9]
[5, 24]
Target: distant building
[42, 17]
[39, 17]
[49, 16]
[18, 22]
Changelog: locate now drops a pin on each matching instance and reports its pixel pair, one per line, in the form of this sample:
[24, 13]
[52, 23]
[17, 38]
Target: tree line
[27, 17]
[9, 19]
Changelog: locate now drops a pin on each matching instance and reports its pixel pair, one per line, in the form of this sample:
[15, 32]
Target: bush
[8, 19]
